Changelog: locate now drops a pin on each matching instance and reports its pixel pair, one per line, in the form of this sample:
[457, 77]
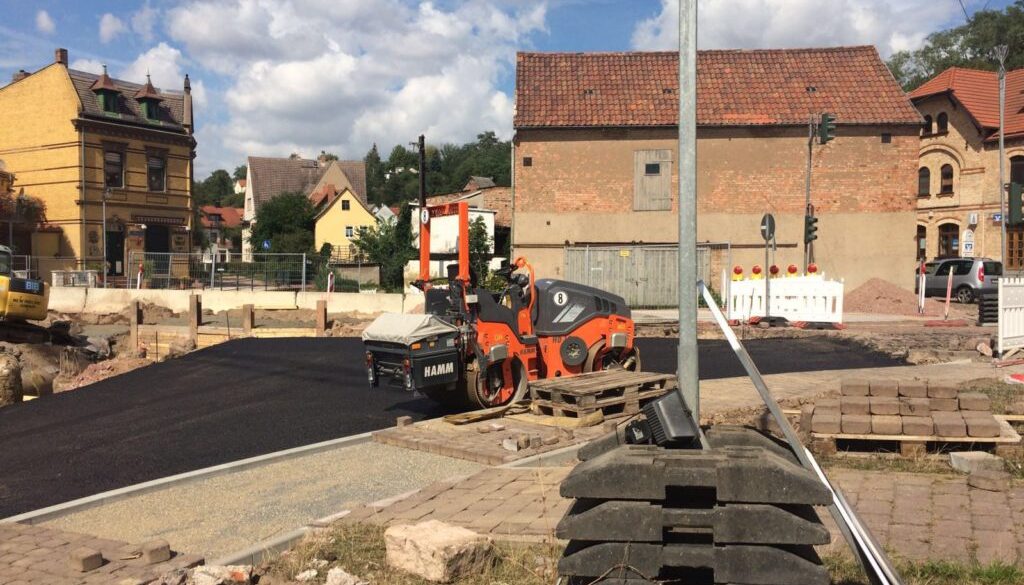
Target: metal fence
[206, 271]
[646, 276]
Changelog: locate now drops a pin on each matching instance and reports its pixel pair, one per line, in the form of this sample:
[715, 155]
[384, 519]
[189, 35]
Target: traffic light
[810, 229]
[1016, 214]
[826, 128]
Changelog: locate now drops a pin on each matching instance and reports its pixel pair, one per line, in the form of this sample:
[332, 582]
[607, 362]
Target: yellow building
[77, 139]
[338, 221]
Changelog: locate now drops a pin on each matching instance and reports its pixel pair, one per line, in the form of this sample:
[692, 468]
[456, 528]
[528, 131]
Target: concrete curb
[85, 503]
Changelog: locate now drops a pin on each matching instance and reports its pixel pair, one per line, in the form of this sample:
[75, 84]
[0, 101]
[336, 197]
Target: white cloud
[165, 66]
[110, 27]
[144, 20]
[87, 65]
[44, 23]
[736, 24]
[307, 75]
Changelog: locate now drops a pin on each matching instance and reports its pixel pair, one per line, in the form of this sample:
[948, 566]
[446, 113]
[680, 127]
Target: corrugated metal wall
[646, 276]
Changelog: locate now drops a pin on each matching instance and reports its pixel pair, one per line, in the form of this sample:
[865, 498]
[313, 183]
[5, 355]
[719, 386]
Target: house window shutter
[652, 180]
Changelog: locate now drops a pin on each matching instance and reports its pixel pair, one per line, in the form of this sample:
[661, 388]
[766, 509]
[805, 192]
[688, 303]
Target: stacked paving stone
[740, 513]
[909, 408]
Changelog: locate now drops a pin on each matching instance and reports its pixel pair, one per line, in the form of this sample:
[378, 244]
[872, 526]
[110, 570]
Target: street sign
[266, 244]
[967, 245]
[768, 227]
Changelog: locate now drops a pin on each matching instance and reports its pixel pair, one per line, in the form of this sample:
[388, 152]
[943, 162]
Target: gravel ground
[224, 514]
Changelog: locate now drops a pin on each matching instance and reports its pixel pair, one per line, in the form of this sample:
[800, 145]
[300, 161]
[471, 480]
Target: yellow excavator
[21, 300]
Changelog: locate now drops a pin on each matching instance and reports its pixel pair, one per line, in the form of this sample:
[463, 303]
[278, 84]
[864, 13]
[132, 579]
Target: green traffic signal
[1014, 207]
[810, 228]
[826, 128]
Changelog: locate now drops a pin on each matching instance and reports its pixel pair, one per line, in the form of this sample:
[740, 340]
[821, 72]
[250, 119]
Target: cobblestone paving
[916, 516]
[35, 555]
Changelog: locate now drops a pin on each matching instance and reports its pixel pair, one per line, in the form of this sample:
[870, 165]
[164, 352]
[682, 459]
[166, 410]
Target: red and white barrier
[808, 298]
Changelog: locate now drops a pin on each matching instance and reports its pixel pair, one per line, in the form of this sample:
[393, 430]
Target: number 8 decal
[561, 298]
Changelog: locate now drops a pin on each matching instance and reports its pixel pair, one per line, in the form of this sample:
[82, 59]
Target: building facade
[339, 219]
[958, 192]
[483, 193]
[596, 158]
[83, 143]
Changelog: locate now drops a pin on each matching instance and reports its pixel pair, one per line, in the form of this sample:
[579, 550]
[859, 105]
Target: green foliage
[233, 200]
[216, 188]
[968, 45]
[480, 244]
[287, 221]
[241, 172]
[327, 156]
[449, 167]
[22, 208]
[389, 244]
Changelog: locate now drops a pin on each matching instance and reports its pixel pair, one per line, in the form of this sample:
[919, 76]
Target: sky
[275, 77]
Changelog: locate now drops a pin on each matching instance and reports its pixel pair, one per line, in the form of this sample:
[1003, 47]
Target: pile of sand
[883, 297]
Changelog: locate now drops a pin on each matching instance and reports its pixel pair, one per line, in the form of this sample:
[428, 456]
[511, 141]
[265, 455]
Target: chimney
[21, 74]
[187, 112]
[61, 56]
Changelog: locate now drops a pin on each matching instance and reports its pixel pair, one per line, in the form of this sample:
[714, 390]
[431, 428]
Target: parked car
[971, 276]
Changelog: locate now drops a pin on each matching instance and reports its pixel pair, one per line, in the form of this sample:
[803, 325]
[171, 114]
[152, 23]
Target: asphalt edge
[58, 510]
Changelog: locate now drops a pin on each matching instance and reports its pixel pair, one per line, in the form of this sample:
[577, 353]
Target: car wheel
[964, 294]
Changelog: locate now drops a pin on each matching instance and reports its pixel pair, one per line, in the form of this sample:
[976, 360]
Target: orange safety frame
[426, 215]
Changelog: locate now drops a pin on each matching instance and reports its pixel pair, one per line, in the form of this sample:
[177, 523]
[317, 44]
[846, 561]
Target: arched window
[924, 182]
[943, 123]
[946, 184]
[922, 240]
[949, 240]
[926, 128]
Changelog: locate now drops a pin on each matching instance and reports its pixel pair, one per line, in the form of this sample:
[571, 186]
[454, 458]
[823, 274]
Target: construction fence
[646, 276]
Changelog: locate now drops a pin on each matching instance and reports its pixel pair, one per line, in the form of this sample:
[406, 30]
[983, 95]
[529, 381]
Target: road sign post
[768, 233]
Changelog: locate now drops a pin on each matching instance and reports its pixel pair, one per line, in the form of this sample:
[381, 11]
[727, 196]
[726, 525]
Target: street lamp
[106, 272]
[1000, 52]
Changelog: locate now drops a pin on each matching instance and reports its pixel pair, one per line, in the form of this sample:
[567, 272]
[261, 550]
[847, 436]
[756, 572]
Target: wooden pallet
[917, 444]
[608, 393]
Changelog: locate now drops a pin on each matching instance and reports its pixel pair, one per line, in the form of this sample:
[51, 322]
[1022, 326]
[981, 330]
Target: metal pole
[421, 145]
[303, 272]
[767, 284]
[686, 359]
[1001, 52]
[104, 211]
[807, 187]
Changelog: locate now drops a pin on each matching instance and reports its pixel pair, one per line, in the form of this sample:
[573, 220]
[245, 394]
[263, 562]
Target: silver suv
[971, 276]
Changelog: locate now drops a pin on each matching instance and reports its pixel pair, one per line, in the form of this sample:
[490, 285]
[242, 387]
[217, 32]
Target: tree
[480, 244]
[327, 156]
[374, 175]
[286, 221]
[968, 45]
[241, 172]
[389, 244]
[214, 188]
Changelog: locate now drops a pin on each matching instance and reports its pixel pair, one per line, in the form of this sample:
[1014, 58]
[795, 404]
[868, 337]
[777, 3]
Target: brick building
[483, 193]
[595, 159]
[958, 178]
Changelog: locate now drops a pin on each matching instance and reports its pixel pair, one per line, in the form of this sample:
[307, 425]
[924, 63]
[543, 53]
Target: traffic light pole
[807, 188]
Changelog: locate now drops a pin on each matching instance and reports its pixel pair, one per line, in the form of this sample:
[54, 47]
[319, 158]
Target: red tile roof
[978, 91]
[229, 216]
[734, 88]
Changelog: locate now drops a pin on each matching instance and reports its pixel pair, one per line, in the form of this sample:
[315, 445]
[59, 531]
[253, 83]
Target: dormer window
[149, 100]
[106, 92]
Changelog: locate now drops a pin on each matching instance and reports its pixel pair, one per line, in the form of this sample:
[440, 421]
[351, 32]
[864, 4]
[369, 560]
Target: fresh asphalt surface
[254, 396]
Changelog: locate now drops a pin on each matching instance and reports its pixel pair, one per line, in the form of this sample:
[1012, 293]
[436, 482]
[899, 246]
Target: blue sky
[272, 77]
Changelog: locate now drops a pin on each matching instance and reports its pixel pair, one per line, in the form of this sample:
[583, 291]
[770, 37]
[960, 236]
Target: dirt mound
[883, 297]
[101, 371]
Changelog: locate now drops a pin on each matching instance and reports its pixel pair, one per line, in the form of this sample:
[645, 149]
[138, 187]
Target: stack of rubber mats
[988, 308]
[741, 512]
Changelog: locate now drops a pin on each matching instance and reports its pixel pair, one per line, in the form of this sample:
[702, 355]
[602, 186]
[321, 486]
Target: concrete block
[827, 406]
[1016, 408]
[973, 461]
[915, 406]
[855, 405]
[826, 423]
[156, 551]
[856, 424]
[854, 388]
[975, 401]
[885, 405]
[885, 388]
[914, 389]
[806, 415]
[918, 426]
[437, 551]
[943, 404]
[942, 390]
[949, 424]
[985, 426]
[993, 481]
[84, 559]
[886, 425]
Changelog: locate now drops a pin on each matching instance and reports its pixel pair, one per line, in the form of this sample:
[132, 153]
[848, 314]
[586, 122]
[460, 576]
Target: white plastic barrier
[1011, 314]
[799, 298]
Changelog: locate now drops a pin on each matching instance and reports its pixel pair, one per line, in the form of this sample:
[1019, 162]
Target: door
[158, 245]
[115, 253]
